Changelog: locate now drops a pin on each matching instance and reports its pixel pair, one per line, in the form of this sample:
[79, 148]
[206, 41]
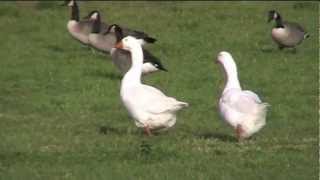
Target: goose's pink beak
[119, 45]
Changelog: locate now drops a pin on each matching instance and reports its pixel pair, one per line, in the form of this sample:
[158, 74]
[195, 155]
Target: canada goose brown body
[286, 34]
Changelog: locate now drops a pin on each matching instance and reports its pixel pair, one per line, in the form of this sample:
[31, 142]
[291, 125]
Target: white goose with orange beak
[150, 108]
[242, 109]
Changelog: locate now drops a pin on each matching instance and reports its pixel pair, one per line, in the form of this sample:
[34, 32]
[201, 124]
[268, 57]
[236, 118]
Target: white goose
[243, 110]
[150, 108]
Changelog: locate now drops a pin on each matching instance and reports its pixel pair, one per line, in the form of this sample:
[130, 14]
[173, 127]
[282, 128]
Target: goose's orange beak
[119, 45]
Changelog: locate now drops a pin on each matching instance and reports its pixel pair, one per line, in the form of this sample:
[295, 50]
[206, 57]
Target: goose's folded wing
[154, 101]
[295, 26]
[252, 95]
[244, 102]
[160, 106]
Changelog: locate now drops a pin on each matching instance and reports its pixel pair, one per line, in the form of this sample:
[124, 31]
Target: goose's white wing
[242, 101]
[252, 95]
[154, 101]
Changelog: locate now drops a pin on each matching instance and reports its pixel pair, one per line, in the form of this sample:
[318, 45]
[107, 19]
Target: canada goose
[122, 58]
[78, 29]
[242, 109]
[286, 34]
[102, 40]
[148, 106]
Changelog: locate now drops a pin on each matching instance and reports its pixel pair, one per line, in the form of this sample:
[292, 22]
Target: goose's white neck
[133, 76]
[231, 72]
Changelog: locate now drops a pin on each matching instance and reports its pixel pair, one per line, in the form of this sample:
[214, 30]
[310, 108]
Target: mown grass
[62, 118]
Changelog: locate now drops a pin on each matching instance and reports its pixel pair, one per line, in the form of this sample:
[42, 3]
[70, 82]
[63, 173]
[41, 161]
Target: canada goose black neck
[96, 25]
[279, 23]
[74, 12]
[117, 31]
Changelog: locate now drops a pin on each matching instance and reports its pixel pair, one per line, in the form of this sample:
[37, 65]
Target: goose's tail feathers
[306, 35]
[256, 121]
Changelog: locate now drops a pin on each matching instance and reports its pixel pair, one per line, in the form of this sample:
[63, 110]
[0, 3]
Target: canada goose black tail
[148, 57]
[306, 35]
[149, 40]
[160, 66]
[141, 35]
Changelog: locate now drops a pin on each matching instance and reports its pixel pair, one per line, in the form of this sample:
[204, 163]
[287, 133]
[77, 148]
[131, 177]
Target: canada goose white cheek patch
[94, 16]
[275, 15]
[71, 3]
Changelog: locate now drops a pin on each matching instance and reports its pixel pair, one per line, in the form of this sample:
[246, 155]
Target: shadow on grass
[272, 49]
[105, 130]
[267, 49]
[111, 75]
[221, 137]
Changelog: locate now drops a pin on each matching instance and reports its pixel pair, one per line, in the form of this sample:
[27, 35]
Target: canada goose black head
[90, 15]
[274, 15]
[271, 15]
[74, 10]
[117, 31]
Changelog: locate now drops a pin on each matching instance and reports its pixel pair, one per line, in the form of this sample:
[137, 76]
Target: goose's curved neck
[74, 12]
[279, 23]
[96, 25]
[231, 73]
[133, 76]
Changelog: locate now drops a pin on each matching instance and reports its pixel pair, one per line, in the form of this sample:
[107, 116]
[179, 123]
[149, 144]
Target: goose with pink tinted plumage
[242, 109]
[149, 107]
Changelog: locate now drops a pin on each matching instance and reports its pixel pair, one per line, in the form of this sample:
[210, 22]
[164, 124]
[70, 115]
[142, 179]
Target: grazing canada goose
[78, 29]
[242, 109]
[149, 107]
[104, 40]
[286, 34]
[122, 58]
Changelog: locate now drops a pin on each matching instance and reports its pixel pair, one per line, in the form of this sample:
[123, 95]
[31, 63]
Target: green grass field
[60, 111]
